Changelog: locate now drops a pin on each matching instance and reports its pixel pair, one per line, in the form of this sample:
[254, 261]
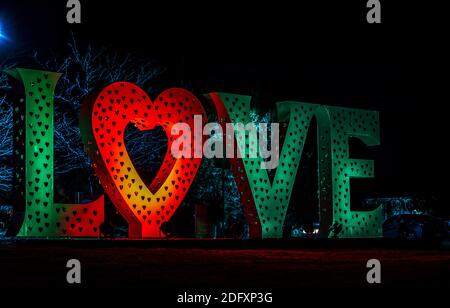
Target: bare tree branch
[83, 70]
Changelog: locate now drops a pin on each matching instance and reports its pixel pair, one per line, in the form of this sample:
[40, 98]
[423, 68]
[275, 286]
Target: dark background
[313, 51]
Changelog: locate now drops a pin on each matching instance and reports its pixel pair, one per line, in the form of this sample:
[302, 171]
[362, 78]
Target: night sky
[319, 53]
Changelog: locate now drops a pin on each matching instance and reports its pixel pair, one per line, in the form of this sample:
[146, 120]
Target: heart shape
[103, 120]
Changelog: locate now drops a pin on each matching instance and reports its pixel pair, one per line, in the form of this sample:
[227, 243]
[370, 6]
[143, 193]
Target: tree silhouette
[83, 70]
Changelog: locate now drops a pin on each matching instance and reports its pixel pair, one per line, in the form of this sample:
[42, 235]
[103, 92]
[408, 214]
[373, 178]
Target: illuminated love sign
[104, 118]
[335, 126]
[103, 123]
[43, 217]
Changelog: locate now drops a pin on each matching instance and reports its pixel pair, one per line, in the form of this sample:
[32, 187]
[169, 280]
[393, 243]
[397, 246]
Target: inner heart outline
[104, 117]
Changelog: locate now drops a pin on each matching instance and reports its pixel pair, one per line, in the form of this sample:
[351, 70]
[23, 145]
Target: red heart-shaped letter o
[103, 122]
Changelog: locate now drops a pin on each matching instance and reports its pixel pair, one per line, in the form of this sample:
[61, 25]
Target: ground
[239, 267]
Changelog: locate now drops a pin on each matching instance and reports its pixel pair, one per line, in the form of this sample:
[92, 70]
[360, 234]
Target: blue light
[2, 35]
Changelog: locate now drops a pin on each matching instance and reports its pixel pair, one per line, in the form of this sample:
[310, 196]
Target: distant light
[2, 35]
